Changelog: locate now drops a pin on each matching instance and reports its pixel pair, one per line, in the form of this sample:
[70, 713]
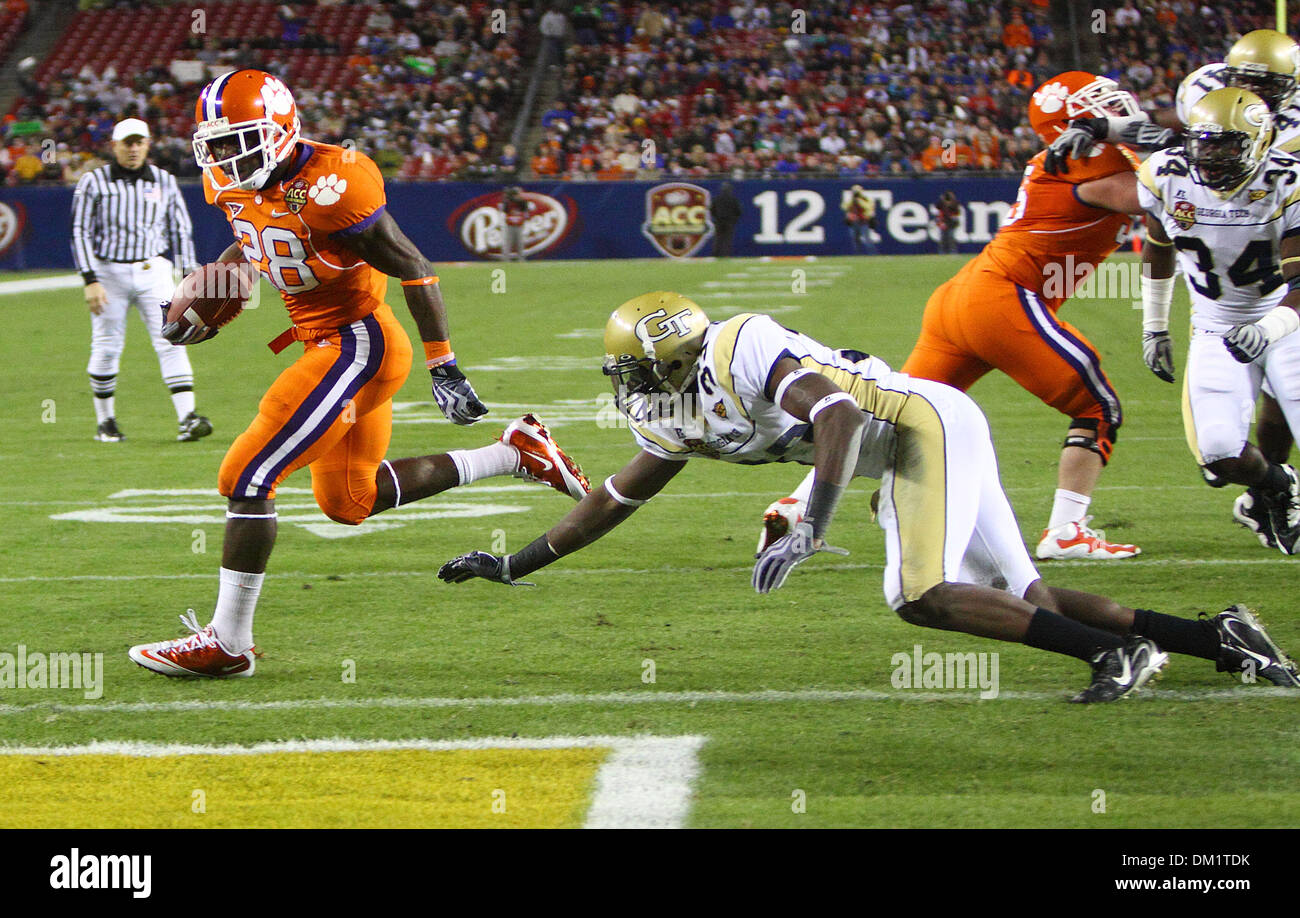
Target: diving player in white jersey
[749, 391]
[1226, 206]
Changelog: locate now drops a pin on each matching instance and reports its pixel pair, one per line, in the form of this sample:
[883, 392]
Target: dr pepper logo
[677, 218]
[480, 224]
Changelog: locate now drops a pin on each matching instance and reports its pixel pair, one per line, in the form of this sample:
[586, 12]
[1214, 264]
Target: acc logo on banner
[13, 220]
[677, 218]
[480, 225]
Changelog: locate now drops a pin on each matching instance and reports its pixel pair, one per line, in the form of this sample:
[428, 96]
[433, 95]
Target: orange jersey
[293, 233]
[1049, 225]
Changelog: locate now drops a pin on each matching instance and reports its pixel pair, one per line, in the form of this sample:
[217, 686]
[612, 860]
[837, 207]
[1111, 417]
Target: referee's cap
[130, 127]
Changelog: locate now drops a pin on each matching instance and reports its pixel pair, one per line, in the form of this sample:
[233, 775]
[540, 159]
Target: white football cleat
[778, 519]
[200, 654]
[1075, 540]
[542, 460]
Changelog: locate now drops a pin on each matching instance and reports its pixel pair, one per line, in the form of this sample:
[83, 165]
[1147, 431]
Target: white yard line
[569, 699]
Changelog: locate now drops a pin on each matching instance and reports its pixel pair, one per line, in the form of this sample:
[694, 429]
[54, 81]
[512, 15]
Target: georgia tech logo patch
[677, 218]
[720, 409]
[1184, 213]
[295, 196]
[1258, 194]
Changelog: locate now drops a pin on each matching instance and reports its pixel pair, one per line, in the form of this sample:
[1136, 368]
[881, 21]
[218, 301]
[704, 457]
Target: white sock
[486, 462]
[804, 491]
[104, 409]
[184, 402]
[236, 602]
[1068, 507]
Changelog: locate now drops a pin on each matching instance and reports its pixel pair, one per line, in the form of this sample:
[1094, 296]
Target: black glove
[1245, 342]
[191, 334]
[455, 396]
[1075, 142]
[1158, 352]
[478, 564]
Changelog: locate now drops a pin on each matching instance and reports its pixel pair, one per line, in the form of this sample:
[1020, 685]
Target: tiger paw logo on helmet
[276, 96]
[1051, 97]
[328, 189]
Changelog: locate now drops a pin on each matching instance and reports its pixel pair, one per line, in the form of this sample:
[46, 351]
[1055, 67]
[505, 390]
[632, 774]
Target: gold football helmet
[1268, 64]
[1227, 138]
[651, 345]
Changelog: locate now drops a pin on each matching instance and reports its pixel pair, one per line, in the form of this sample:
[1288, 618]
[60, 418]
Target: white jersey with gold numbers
[1227, 248]
[733, 415]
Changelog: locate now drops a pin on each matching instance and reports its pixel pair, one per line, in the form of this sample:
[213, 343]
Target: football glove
[1075, 142]
[1245, 342]
[479, 564]
[1149, 137]
[781, 557]
[455, 396]
[1158, 352]
[192, 334]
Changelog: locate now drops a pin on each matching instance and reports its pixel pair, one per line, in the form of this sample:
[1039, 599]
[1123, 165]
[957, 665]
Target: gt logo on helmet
[678, 324]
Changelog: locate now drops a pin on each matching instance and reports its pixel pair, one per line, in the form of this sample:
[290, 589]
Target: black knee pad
[1101, 440]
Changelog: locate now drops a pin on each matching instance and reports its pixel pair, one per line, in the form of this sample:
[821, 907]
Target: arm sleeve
[84, 201]
[180, 229]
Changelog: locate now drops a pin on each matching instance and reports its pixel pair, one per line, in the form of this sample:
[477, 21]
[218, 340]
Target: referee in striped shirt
[125, 215]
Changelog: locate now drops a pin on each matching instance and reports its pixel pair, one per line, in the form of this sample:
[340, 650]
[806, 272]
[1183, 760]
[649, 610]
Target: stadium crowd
[693, 87]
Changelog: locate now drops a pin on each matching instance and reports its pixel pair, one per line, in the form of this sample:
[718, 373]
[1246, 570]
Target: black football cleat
[107, 432]
[1122, 671]
[1245, 647]
[1251, 511]
[194, 427]
[1284, 513]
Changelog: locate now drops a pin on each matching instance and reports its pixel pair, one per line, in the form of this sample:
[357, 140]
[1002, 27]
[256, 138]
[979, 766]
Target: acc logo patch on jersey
[677, 218]
[295, 196]
[1185, 213]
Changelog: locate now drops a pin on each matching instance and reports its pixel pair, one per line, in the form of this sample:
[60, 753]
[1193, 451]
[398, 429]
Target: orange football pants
[331, 410]
[981, 321]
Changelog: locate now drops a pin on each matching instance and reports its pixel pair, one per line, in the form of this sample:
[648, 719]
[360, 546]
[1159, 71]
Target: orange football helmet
[1076, 94]
[247, 125]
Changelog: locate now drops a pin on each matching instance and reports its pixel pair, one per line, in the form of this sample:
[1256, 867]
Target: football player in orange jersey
[999, 311]
[311, 218]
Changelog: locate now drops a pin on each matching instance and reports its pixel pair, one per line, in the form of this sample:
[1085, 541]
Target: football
[212, 295]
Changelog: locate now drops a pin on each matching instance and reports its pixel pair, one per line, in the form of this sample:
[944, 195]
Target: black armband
[89, 277]
[821, 505]
[536, 554]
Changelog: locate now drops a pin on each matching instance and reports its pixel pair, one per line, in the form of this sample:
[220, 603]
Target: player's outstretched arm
[596, 514]
[1247, 342]
[1117, 192]
[837, 432]
[1157, 293]
[385, 247]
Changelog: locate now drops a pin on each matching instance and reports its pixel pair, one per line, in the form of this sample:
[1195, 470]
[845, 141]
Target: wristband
[421, 281]
[828, 401]
[625, 501]
[89, 277]
[536, 554]
[1157, 294]
[1280, 322]
[436, 353]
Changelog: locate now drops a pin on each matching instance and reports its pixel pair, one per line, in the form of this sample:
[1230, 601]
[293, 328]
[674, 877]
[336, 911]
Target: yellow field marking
[386, 788]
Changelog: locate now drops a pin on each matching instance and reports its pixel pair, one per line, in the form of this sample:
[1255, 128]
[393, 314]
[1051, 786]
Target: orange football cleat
[542, 460]
[1076, 541]
[199, 655]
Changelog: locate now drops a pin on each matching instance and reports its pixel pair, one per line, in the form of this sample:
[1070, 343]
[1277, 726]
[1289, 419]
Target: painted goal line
[569, 699]
[645, 783]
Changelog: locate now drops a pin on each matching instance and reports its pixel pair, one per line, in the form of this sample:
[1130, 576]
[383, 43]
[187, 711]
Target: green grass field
[791, 693]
